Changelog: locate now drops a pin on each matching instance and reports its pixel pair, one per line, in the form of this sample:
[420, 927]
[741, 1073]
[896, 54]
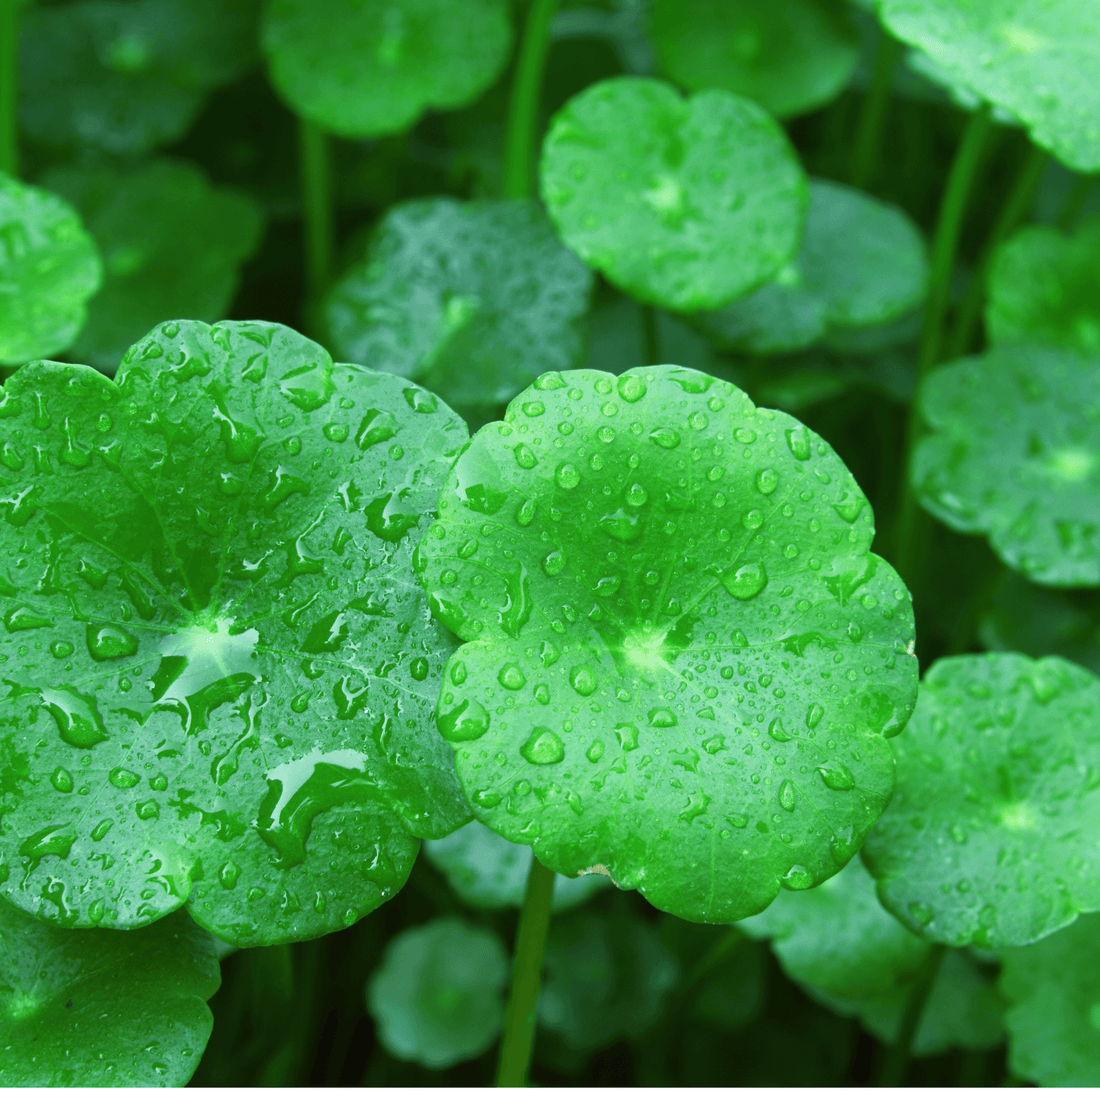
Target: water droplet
[748, 581]
[108, 642]
[636, 496]
[511, 677]
[335, 433]
[24, 618]
[123, 778]
[148, 811]
[631, 388]
[665, 437]
[766, 481]
[752, 520]
[776, 731]
[76, 715]
[594, 751]
[542, 694]
[583, 680]
[921, 913]
[487, 798]
[797, 878]
[798, 440]
[662, 718]
[102, 829]
[526, 513]
[849, 508]
[787, 795]
[814, 715]
[627, 734]
[300, 702]
[836, 777]
[621, 525]
[567, 476]
[62, 781]
[553, 563]
[543, 747]
[458, 673]
[525, 457]
[61, 650]
[228, 875]
[467, 721]
[533, 408]
[418, 668]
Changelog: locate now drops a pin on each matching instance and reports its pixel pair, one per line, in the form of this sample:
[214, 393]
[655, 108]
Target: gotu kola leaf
[49, 268]
[373, 67]
[791, 56]
[1014, 453]
[991, 837]
[681, 656]
[473, 300]
[684, 204]
[172, 246]
[98, 1008]
[1036, 59]
[438, 997]
[218, 666]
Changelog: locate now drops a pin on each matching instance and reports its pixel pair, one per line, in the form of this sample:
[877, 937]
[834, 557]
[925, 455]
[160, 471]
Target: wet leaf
[684, 203]
[49, 268]
[103, 1009]
[218, 668]
[438, 997]
[1014, 454]
[172, 246]
[473, 300]
[791, 56]
[654, 578]
[991, 833]
[374, 67]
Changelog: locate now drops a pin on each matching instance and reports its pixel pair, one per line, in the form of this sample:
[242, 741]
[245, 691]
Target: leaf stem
[893, 1072]
[523, 110]
[872, 117]
[316, 207]
[9, 42]
[519, 1017]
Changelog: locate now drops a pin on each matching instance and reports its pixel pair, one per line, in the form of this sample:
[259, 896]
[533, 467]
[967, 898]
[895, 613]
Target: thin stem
[652, 335]
[316, 207]
[1078, 196]
[9, 37]
[893, 1072]
[872, 118]
[519, 1017]
[523, 110]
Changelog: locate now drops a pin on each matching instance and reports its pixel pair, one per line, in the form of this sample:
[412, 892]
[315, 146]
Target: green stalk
[893, 1072]
[519, 1017]
[523, 110]
[9, 36]
[316, 207]
[911, 525]
[872, 118]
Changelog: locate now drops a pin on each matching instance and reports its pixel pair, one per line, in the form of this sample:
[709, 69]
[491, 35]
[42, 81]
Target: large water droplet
[665, 437]
[511, 677]
[62, 781]
[76, 715]
[567, 476]
[621, 525]
[108, 642]
[798, 440]
[631, 388]
[543, 747]
[662, 718]
[123, 778]
[525, 457]
[748, 581]
[467, 721]
[766, 481]
[787, 796]
[836, 777]
[583, 680]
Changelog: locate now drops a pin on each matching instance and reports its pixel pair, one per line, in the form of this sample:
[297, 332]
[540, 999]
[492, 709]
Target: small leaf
[686, 204]
[438, 997]
[990, 834]
[374, 67]
[98, 1009]
[49, 268]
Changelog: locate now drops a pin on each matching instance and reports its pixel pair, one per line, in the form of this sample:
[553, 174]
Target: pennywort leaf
[682, 658]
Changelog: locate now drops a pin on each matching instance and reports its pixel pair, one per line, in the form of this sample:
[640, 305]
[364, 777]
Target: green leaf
[989, 838]
[127, 77]
[1044, 288]
[791, 56]
[1036, 59]
[172, 246]
[682, 657]
[438, 997]
[1053, 990]
[607, 978]
[49, 268]
[103, 1009]
[488, 872]
[686, 204]
[862, 264]
[838, 938]
[218, 668]
[1014, 454]
[473, 300]
[374, 67]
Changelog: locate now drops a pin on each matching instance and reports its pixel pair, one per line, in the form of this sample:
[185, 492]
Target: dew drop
[62, 781]
[797, 878]
[787, 795]
[467, 721]
[798, 440]
[567, 476]
[631, 388]
[543, 747]
[525, 457]
[627, 733]
[766, 481]
[108, 642]
[583, 680]
[553, 563]
[123, 779]
[665, 437]
[748, 581]
[814, 715]
[511, 677]
[525, 513]
[662, 718]
[418, 668]
[594, 751]
[836, 777]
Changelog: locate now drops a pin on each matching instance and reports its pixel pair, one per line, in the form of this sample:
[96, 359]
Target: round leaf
[1036, 59]
[438, 997]
[791, 56]
[473, 300]
[374, 67]
[172, 246]
[991, 837]
[1044, 288]
[218, 667]
[862, 264]
[488, 872]
[1053, 989]
[49, 268]
[682, 203]
[1014, 453]
[682, 657]
[103, 1009]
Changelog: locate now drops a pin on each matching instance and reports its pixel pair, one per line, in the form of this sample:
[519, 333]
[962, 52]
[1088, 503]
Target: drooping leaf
[438, 997]
[218, 667]
[838, 937]
[473, 300]
[93, 1008]
[1014, 454]
[1044, 288]
[49, 268]
[126, 77]
[990, 838]
[172, 246]
[374, 67]
[684, 203]
[862, 264]
[1036, 59]
[791, 56]
[682, 658]
[1053, 1019]
[489, 872]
